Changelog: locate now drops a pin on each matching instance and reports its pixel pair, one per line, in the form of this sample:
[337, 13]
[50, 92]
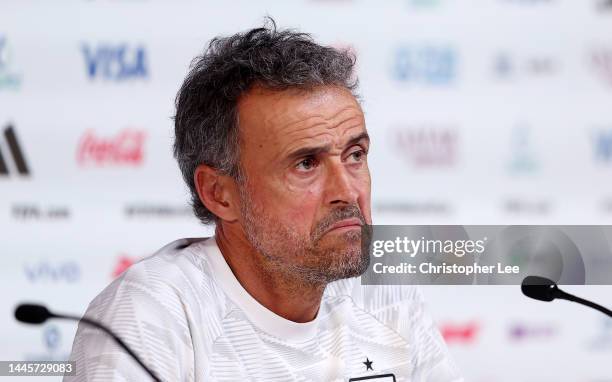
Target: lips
[352, 222]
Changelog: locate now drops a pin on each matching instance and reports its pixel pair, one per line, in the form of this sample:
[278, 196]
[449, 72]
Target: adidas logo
[10, 148]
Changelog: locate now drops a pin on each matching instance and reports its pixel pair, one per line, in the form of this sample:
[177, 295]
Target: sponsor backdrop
[481, 112]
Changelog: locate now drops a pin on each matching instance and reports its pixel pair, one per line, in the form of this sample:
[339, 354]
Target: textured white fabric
[184, 312]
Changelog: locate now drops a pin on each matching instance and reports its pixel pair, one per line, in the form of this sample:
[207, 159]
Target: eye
[307, 164]
[358, 155]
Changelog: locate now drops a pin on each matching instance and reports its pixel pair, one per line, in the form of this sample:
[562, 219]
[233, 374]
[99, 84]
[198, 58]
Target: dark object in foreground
[37, 314]
[543, 289]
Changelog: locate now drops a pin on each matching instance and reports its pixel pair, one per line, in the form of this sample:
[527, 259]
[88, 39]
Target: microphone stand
[107, 331]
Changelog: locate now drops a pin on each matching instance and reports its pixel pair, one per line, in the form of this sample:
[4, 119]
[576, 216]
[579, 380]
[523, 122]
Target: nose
[341, 185]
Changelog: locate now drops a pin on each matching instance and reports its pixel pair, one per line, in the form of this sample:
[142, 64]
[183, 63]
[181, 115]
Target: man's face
[307, 189]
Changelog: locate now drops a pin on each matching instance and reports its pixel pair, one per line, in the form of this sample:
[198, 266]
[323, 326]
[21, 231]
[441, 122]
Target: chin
[345, 259]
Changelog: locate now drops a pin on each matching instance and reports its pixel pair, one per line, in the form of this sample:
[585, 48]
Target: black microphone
[37, 314]
[543, 289]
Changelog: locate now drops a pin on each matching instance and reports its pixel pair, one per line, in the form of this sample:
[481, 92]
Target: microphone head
[539, 288]
[32, 313]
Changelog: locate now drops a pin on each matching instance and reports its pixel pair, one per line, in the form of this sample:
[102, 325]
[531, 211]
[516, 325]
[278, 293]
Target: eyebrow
[317, 150]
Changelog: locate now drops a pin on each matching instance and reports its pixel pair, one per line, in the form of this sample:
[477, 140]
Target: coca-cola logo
[125, 148]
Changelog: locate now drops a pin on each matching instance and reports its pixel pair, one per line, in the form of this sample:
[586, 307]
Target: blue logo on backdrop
[602, 141]
[424, 3]
[4, 53]
[115, 62]
[52, 338]
[44, 271]
[430, 65]
[523, 157]
[602, 341]
[52, 349]
[9, 79]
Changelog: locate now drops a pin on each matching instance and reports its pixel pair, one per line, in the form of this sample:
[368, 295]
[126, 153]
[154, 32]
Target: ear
[217, 192]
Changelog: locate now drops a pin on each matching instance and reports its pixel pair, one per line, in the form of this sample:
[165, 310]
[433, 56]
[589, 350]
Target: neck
[288, 297]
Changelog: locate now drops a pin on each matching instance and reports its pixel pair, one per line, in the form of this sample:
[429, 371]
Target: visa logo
[44, 271]
[115, 62]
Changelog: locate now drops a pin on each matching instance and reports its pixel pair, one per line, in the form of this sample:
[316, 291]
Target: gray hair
[206, 120]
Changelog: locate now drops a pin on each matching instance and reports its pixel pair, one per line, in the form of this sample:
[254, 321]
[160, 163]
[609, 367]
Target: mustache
[335, 216]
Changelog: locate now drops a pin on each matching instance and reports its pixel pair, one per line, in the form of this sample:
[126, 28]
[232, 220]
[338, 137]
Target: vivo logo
[115, 62]
[45, 271]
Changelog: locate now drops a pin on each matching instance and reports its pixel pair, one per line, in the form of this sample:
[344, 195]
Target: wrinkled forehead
[273, 121]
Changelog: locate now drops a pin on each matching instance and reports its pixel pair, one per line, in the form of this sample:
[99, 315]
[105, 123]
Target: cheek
[304, 205]
[296, 206]
[365, 198]
[364, 205]
[300, 191]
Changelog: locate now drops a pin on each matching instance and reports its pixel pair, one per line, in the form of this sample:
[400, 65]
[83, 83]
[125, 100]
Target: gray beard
[303, 261]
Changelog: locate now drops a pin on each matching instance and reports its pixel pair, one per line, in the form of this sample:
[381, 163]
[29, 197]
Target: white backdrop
[481, 112]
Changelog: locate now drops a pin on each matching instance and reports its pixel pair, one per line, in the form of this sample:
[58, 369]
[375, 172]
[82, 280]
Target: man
[273, 146]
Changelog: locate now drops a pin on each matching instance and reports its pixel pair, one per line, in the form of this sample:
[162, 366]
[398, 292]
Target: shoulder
[174, 283]
[152, 307]
[179, 264]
